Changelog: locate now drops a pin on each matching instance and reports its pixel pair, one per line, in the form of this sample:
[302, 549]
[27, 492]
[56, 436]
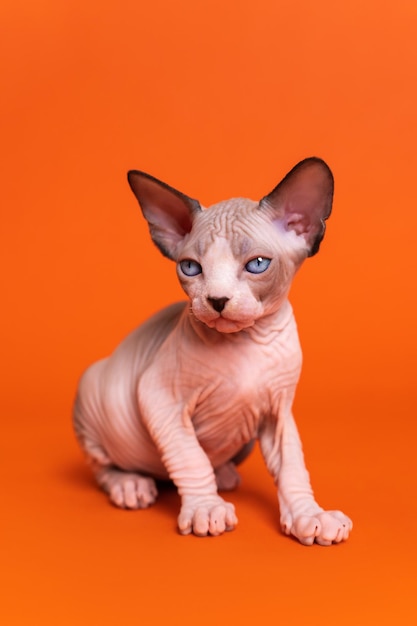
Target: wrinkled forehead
[236, 220]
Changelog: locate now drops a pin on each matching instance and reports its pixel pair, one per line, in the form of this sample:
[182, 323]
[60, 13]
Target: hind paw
[227, 477]
[127, 490]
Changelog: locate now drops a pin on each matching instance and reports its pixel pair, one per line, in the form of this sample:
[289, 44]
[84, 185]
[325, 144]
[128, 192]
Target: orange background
[217, 98]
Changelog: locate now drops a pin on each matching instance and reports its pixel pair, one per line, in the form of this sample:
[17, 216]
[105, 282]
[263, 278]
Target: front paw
[324, 528]
[206, 515]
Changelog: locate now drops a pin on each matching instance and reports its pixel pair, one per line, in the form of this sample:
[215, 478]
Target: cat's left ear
[169, 212]
[302, 201]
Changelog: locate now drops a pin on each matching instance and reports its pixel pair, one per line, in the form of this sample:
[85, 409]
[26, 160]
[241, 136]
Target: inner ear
[169, 212]
[302, 201]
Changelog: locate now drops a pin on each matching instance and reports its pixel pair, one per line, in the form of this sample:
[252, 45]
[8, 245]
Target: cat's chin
[224, 325]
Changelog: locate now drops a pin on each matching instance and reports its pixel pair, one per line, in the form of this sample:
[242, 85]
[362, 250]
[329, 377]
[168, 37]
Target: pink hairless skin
[185, 395]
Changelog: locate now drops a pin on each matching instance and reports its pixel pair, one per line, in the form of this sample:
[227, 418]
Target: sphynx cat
[185, 395]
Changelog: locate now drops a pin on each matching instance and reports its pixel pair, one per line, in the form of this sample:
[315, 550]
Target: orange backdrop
[218, 99]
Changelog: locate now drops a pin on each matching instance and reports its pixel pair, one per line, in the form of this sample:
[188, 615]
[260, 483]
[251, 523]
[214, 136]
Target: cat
[186, 394]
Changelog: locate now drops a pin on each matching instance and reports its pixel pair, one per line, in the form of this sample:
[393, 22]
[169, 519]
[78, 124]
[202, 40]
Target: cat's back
[140, 346]
[118, 374]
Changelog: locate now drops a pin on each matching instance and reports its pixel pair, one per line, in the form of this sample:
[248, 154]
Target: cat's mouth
[225, 321]
[225, 325]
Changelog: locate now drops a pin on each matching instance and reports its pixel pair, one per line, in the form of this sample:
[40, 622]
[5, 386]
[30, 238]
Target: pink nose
[218, 304]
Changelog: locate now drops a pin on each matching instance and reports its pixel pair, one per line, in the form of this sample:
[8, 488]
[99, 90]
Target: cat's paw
[227, 477]
[127, 490]
[206, 515]
[324, 528]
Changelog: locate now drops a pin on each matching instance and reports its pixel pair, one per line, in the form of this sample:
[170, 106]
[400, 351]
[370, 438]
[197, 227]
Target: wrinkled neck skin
[262, 331]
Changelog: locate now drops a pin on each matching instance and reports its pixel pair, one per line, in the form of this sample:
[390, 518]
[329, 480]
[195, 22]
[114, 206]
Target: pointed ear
[303, 201]
[168, 212]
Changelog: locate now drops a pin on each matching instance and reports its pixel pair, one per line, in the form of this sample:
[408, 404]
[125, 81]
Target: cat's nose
[218, 304]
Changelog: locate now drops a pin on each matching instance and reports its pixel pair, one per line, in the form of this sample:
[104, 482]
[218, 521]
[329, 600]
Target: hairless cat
[185, 395]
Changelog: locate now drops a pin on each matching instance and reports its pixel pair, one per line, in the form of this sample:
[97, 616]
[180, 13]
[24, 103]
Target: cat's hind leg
[227, 476]
[126, 489]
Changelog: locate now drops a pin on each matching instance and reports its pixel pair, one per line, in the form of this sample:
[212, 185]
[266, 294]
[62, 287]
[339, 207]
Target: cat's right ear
[168, 212]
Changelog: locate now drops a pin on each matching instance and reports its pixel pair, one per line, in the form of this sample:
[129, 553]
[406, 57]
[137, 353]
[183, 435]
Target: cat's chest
[215, 379]
[235, 398]
[241, 377]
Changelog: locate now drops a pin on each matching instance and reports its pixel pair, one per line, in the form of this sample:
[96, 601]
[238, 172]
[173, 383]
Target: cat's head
[236, 259]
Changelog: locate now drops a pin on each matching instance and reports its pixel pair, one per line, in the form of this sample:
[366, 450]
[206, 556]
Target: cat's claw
[324, 528]
[206, 515]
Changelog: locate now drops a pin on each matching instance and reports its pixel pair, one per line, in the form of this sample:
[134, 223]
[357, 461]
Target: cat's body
[188, 391]
[216, 390]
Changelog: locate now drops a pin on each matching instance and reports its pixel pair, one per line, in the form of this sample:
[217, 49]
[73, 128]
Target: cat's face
[236, 266]
[236, 260]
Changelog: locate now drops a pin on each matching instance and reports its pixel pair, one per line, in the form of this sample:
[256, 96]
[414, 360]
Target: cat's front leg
[300, 514]
[206, 515]
[203, 511]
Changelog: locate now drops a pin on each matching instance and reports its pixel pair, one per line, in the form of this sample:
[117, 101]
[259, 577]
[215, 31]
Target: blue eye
[257, 265]
[190, 267]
